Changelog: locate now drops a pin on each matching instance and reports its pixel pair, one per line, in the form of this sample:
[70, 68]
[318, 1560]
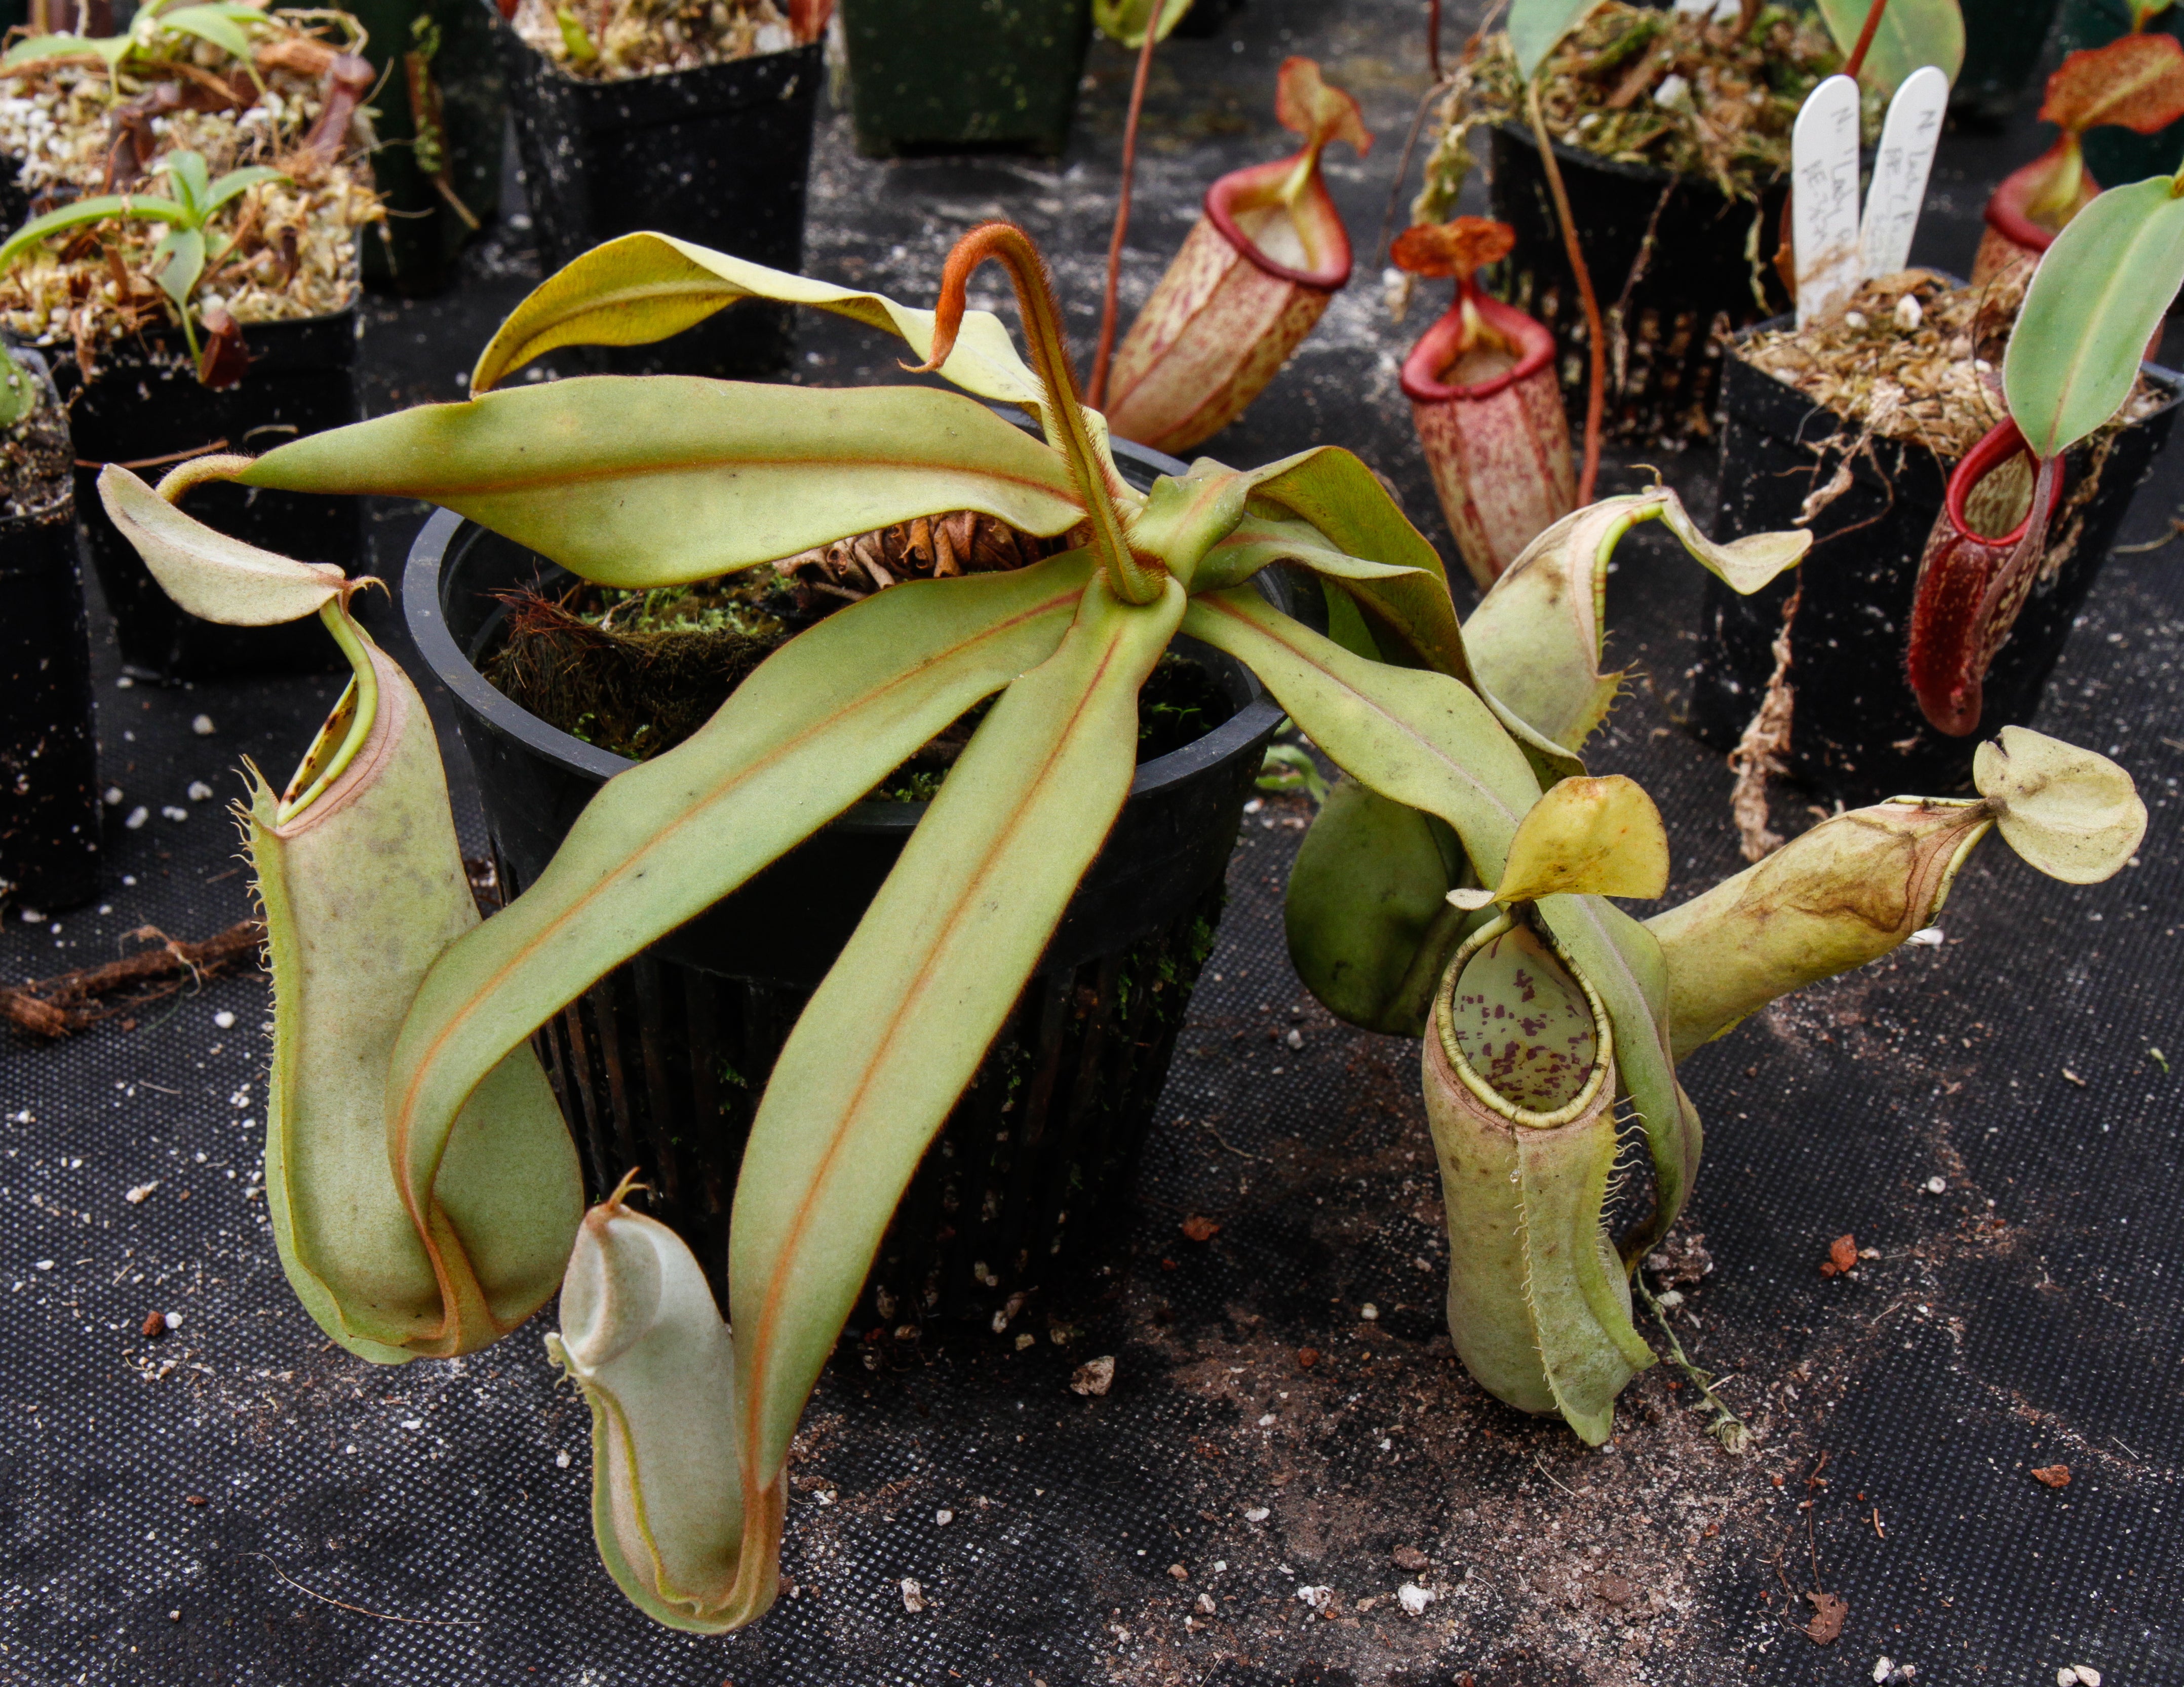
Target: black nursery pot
[145, 408]
[1856, 733]
[964, 76]
[717, 156]
[48, 748]
[1693, 282]
[661, 1064]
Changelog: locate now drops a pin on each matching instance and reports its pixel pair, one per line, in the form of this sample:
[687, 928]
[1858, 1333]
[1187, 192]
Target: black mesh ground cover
[2014, 1061]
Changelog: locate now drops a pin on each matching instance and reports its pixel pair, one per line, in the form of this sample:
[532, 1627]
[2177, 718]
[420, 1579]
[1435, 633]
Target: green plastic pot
[964, 76]
[425, 233]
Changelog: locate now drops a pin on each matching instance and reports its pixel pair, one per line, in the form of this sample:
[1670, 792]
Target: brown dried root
[928, 548]
[1764, 749]
[62, 1006]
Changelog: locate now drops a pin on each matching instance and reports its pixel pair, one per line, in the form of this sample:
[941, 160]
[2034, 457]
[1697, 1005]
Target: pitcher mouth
[1451, 1048]
[1222, 205]
[1442, 343]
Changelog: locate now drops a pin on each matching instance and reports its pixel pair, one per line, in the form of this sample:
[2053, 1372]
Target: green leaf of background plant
[1536, 28]
[900, 1024]
[1912, 33]
[236, 182]
[215, 24]
[96, 209]
[1124, 21]
[108, 48]
[19, 390]
[183, 250]
[2099, 293]
[816, 725]
[640, 484]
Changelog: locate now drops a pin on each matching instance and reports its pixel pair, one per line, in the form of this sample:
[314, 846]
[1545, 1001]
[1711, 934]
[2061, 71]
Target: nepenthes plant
[426, 1197]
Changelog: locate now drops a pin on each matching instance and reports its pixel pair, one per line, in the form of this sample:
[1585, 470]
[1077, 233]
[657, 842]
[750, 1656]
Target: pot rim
[691, 76]
[427, 575]
[2171, 380]
[1653, 173]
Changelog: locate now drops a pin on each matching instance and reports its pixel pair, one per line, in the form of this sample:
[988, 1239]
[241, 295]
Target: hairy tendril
[1132, 578]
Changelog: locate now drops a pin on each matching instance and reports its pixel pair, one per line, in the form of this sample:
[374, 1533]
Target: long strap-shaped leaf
[1417, 736]
[1426, 740]
[646, 287]
[1333, 489]
[819, 723]
[664, 480]
[900, 1024]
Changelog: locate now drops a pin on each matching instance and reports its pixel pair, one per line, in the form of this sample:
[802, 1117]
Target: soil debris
[1829, 1612]
[2052, 1476]
[1843, 1256]
[1094, 1376]
[1200, 1229]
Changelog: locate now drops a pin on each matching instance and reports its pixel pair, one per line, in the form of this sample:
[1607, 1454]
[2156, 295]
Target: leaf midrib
[763, 1345]
[485, 992]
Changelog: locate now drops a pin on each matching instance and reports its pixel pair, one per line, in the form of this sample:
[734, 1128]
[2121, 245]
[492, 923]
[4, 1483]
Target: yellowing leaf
[212, 576]
[2075, 816]
[1594, 836]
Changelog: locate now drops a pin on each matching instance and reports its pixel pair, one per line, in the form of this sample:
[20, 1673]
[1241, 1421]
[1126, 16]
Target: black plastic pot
[2003, 39]
[144, 407]
[964, 76]
[2114, 155]
[717, 156]
[1680, 292]
[414, 251]
[661, 1064]
[1856, 733]
[48, 748]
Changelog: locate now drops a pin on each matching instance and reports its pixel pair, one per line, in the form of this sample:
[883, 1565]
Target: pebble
[114, 797]
[560, 1461]
[202, 726]
[1414, 1599]
[200, 791]
[1935, 1186]
[943, 1517]
[1319, 1598]
[224, 1019]
[1908, 312]
[1369, 1312]
[913, 1596]
[136, 1196]
[174, 812]
[137, 816]
[2077, 1675]
[1256, 1514]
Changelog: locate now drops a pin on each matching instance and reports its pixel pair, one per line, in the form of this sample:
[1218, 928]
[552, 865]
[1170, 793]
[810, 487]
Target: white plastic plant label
[1900, 168]
[1823, 198]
